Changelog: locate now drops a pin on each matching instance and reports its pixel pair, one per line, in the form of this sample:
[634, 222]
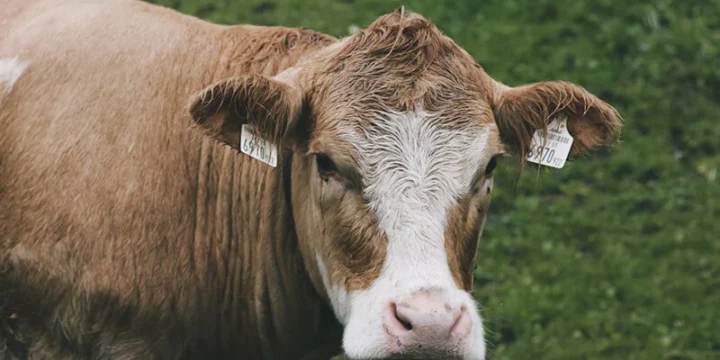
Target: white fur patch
[10, 71]
[414, 172]
[338, 295]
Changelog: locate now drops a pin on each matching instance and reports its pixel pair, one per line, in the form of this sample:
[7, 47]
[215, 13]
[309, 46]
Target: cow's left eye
[326, 167]
[491, 165]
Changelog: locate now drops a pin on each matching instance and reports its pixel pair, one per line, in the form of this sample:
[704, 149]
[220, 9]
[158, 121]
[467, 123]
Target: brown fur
[125, 233]
[462, 235]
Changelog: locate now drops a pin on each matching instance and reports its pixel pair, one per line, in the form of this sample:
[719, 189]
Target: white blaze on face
[414, 171]
[10, 71]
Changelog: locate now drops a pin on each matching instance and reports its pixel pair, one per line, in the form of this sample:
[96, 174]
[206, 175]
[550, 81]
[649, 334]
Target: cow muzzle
[426, 324]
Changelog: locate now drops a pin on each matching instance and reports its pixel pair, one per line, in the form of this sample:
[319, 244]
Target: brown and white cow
[131, 226]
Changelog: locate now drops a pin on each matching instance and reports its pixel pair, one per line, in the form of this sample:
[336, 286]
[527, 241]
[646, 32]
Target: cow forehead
[421, 145]
[415, 159]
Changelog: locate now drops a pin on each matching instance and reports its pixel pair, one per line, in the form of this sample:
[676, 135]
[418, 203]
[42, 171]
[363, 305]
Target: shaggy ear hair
[272, 107]
[520, 111]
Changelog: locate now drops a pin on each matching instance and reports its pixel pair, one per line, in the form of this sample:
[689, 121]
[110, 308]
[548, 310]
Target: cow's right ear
[272, 107]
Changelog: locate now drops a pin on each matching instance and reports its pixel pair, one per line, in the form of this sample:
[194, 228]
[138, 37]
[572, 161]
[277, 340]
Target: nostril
[402, 320]
[463, 324]
[394, 322]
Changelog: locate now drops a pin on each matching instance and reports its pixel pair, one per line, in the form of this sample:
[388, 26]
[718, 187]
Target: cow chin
[371, 331]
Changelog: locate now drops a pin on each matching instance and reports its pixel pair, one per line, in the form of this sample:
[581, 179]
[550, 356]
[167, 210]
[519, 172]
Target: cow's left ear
[271, 106]
[520, 111]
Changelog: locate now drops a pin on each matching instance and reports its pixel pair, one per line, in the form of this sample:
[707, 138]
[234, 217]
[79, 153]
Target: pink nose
[427, 322]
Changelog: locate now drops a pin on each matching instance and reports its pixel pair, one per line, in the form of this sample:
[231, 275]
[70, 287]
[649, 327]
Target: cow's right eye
[326, 167]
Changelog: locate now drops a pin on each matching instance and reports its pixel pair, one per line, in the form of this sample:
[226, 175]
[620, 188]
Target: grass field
[616, 256]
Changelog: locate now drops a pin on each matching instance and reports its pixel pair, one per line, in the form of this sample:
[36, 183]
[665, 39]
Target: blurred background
[617, 255]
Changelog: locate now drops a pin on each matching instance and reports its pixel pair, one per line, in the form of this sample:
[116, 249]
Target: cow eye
[326, 167]
[491, 165]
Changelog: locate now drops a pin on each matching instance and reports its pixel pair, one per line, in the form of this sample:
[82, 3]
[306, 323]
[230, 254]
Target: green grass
[617, 255]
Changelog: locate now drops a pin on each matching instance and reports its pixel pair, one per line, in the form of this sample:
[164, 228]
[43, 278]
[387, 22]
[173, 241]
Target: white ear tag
[253, 144]
[553, 152]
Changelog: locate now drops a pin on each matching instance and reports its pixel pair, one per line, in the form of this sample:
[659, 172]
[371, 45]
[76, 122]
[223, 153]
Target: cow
[172, 188]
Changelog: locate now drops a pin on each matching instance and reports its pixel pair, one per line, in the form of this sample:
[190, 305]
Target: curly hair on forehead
[399, 38]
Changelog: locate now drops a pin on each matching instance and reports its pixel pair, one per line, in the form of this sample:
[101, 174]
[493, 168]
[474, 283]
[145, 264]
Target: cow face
[396, 132]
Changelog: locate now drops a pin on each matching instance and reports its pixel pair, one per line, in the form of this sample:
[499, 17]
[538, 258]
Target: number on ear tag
[253, 144]
[552, 151]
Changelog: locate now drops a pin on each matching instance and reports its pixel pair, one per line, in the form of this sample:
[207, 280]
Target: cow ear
[271, 106]
[520, 111]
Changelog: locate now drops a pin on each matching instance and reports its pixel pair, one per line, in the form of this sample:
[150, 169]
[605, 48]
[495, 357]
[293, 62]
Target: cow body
[130, 234]
[131, 226]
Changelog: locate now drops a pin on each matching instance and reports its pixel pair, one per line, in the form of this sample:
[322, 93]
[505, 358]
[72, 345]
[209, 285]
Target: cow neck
[245, 249]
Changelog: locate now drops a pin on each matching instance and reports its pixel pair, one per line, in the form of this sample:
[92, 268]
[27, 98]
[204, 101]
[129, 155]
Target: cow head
[396, 132]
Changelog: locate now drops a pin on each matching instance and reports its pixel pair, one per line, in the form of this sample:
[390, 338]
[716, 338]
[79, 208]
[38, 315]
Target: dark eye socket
[326, 167]
[491, 165]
